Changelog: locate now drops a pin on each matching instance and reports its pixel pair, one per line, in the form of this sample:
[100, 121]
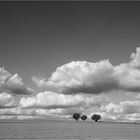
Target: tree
[96, 117]
[76, 116]
[83, 117]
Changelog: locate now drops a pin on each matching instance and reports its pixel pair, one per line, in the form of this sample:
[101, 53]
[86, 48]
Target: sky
[58, 58]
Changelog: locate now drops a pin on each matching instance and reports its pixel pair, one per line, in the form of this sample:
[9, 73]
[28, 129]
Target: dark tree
[83, 117]
[96, 117]
[76, 116]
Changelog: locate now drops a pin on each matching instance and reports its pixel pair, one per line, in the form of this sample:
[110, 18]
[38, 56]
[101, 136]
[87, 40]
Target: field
[53, 130]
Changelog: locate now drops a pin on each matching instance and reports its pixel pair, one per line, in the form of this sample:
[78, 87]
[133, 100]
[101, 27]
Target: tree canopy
[96, 117]
[83, 117]
[76, 116]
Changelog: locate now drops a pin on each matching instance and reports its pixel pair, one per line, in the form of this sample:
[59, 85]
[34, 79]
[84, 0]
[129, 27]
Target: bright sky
[70, 51]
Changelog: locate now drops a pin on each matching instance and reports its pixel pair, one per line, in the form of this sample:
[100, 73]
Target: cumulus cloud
[130, 107]
[124, 111]
[87, 77]
[12, 83]
[111, 108]
[82, 76]
[6, 100]
[125, 107]
[137, 96]
[39, 81]
[33, 113]
[52, 100]
[54, 104]
[17, 111]
[50, 105]
[135, 58]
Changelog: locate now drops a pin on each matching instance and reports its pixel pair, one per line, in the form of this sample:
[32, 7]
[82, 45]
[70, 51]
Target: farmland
[58, 129]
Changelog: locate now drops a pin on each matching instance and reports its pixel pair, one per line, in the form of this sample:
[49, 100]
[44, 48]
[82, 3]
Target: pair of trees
[77, 116]
[94, 117]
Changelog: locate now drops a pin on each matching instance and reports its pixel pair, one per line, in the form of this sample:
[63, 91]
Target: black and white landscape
[58, 58]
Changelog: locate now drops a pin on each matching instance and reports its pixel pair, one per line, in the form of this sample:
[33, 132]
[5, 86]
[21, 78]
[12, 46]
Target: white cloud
[49, 105]
[124, 111]
[125, 107]
[4, 75]
[6, 100]
[12, 83]
[58, 113]
[132, 117]
[135, 58]
[82, 76]
[39, 81]
[137, 96]
[128, 77]
[94, 78]
[31, 113]
[130, 107]
[52, 100]
[54, 104]
[17, 111]
[112, 108]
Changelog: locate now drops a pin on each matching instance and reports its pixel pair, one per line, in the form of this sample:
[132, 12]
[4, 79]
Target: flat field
[59, 130]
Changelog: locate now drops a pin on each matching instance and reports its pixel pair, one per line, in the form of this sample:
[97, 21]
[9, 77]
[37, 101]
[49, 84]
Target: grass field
[53, 130]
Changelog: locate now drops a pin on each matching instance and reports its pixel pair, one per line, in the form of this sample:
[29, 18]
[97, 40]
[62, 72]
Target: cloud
[94, 78]
[12, 83]
[112, 108]
[32, 113]
[125, 107]
[17, 113]
[51, 104]
[128, 77]
[124, 111]
[135, 58]
[6, 100]
[52, 100]
[39, 81]
[137, 96]
[130, 107]
[82, 76]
